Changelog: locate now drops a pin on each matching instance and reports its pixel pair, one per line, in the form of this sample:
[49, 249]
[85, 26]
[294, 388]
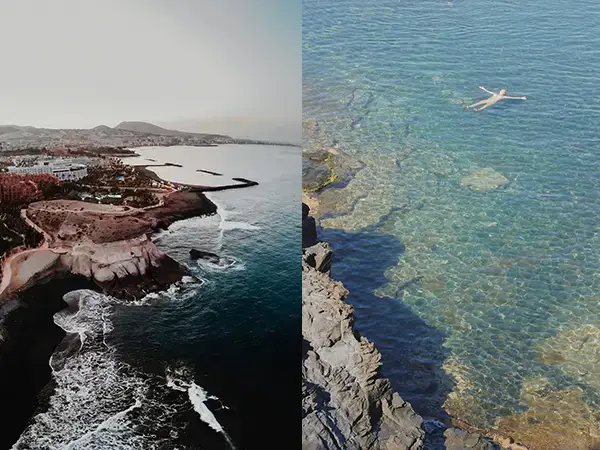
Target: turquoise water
[489, 278]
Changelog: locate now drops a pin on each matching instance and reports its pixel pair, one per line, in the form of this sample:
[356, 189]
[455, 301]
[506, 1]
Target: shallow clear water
[207, 363]
[468, 287]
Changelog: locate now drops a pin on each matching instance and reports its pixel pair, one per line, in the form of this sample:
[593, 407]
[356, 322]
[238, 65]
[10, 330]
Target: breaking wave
[227, 225]
[100, 402]
[225, 263]
[177, 292]
[180, 379]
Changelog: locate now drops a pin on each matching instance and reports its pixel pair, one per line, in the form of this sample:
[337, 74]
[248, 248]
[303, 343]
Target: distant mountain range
[126, 134]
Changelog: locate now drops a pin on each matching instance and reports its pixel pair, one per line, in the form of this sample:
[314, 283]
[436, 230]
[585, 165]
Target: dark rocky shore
[346, 401]
[29, 336]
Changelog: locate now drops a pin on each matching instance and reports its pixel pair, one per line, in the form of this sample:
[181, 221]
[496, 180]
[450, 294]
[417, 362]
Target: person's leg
[482, 102]
[487, 105]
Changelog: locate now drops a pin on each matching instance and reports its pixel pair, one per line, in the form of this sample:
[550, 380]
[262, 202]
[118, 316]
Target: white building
[64, 172]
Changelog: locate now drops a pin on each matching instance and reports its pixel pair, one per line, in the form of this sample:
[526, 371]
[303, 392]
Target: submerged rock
[486, 179]
[576, 352]
[322, 161]
[212, 258]
[556, 419]
[457, 439]
[346, 403]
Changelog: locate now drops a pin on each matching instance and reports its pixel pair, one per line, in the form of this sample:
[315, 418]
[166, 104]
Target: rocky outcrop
[212, 258]
[106, 244]
[126, 269]
[346, 403]
[309, 228]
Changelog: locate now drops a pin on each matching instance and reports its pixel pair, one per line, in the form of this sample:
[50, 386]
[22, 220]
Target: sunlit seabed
[508, 277]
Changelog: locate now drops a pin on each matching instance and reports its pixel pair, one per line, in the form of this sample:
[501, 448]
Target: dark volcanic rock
[212, 258]
[246, 181]
[309, 228]
[346, 404]
[156, 278]
[207, 256]
[183, 205]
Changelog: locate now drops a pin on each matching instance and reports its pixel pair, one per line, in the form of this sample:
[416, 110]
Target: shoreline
[163, 221]
[22, 269]
[322, 191]
[345, 392]
[27, 382]
[33, 283]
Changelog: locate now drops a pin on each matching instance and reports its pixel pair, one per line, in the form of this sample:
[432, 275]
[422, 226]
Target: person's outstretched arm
[514, 98]
[489, 92]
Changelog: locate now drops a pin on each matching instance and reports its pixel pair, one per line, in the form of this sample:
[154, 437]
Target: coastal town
[101, 180]
[86, 165]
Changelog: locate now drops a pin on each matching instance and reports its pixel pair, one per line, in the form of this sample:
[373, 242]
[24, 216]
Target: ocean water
[207, 364]
[483, 303]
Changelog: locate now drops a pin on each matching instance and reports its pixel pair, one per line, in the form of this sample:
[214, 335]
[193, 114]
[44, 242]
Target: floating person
[495, 98]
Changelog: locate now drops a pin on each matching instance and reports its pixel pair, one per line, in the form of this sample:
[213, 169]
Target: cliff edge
[346, 403]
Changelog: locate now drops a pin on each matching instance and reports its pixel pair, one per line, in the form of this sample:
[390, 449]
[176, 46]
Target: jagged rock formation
[346, 404]
[126, 269]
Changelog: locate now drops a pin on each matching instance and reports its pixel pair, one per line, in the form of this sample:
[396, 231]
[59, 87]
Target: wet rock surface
[346, 404]
[323, 163]
[208, 256]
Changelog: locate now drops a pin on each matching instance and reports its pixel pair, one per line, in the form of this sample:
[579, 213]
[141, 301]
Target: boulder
[207, 256]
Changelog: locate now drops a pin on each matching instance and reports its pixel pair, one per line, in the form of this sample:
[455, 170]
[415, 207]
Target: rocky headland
[106, 244]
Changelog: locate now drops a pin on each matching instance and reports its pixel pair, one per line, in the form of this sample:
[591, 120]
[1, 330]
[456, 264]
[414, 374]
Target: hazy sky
[81, 63]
